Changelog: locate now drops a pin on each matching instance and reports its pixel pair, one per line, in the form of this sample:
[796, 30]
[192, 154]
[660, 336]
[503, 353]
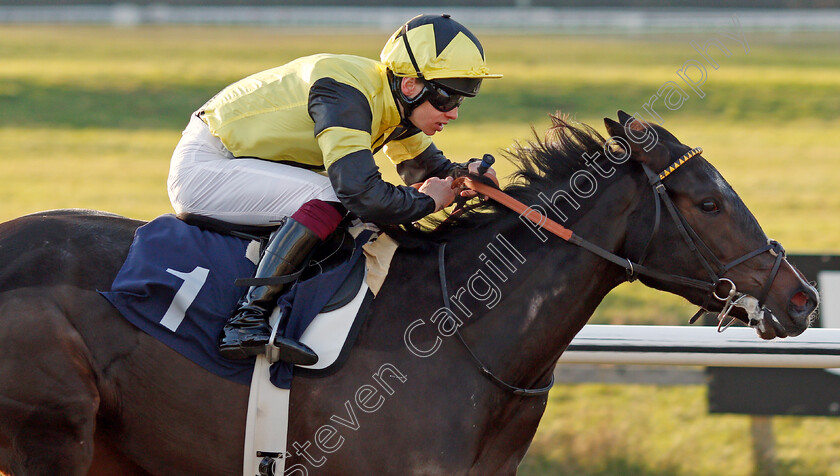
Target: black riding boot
[247, 332]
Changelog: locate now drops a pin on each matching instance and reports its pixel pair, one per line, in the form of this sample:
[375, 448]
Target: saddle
[177, 285]
[335, 250]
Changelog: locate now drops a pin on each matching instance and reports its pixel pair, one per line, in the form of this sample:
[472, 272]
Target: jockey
[295, 145]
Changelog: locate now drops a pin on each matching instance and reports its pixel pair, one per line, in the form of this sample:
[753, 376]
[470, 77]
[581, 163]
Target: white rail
[702, 346]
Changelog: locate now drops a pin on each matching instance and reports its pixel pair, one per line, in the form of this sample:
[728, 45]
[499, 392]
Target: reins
[522, 392]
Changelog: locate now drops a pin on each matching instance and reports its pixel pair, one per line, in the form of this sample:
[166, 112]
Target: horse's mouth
[801, 310]
[767, 324]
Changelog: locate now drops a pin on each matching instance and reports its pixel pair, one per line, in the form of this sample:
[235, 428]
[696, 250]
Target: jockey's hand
[473, 168]
[440, 190]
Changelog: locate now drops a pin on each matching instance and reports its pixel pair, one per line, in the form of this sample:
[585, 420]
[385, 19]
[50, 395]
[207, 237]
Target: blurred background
[94, 95]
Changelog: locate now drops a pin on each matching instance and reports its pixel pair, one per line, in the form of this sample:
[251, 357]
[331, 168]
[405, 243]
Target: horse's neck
[554, 290]
[545, 292]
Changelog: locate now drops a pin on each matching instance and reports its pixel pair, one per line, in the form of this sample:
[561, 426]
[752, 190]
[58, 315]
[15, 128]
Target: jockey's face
[425, 117]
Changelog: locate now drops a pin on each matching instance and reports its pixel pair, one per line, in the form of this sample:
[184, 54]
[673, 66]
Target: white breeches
[205, 178]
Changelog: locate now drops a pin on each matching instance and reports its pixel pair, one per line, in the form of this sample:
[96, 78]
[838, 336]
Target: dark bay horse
[82, 391]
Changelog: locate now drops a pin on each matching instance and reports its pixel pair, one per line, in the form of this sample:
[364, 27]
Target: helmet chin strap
[406, 104]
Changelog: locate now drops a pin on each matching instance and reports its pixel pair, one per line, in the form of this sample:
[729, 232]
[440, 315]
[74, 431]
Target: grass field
[89, 117]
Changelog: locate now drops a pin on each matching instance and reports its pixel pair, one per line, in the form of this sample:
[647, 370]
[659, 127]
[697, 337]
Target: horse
[429, 388]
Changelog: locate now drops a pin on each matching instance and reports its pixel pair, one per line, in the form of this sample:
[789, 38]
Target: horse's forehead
[723, 187]
[714, 176]
[706, 178]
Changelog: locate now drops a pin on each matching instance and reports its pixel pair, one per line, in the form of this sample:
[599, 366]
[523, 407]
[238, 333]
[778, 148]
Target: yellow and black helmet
[438, 49]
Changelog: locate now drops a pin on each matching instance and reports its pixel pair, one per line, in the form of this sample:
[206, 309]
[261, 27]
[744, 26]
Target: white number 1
[193, 281]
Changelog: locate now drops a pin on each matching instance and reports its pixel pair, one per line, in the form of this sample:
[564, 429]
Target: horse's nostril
[800, 299]
[803, 303]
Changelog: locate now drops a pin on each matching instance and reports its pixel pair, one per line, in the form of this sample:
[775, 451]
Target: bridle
[713, 266]
[710, 262]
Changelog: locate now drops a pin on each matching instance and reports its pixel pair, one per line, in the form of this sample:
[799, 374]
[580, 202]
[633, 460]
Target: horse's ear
[641, 137]
[623, 117]
[633, 123]
[632, 126]
[613, 128]
[637, 133]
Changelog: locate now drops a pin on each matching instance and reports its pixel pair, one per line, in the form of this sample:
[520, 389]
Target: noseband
[713, 266]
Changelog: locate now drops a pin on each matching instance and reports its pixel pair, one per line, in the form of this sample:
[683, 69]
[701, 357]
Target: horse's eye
[709, 206]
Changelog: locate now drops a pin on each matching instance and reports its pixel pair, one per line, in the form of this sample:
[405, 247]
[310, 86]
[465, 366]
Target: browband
[691, 153]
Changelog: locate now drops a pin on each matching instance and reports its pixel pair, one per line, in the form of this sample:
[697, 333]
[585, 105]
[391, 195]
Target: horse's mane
[542, 165]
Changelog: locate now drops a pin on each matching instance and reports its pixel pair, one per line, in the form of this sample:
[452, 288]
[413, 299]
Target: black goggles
[441, 99]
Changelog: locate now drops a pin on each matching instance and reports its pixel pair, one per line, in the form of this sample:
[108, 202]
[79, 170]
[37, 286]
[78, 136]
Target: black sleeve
[430, 163]
[359, 186]
[334, 104]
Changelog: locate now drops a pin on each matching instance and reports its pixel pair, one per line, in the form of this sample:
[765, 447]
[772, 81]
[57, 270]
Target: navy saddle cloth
[176, 284]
